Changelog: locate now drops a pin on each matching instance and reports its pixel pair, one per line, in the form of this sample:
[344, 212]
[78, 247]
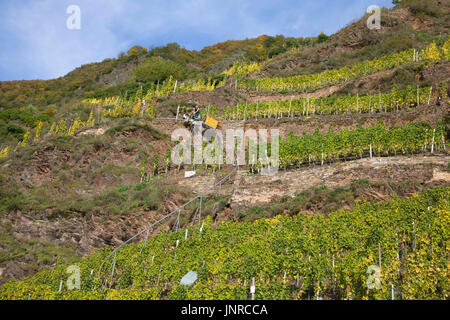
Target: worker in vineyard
[196, 115]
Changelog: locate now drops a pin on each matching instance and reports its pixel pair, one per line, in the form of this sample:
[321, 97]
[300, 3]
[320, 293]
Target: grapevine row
[316, 148]
[57, 128]
[243, 69]
[382, 102]
[165, 88]
[305, 83]
[376, 140]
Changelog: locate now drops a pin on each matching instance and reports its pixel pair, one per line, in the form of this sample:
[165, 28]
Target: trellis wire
[178, 210]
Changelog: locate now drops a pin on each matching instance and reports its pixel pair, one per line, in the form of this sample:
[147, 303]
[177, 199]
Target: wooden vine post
[379, 255]
[253, 289]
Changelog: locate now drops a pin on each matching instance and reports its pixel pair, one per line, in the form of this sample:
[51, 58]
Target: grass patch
[131, 125]
[40, 253]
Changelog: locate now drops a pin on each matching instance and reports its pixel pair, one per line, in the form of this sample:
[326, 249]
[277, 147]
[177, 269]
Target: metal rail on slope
[178, 210]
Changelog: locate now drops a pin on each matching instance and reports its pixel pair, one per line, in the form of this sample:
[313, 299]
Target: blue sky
[36, 44]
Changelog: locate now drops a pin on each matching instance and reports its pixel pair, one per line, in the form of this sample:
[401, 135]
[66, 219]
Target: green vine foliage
[357, 143]
[290, 257]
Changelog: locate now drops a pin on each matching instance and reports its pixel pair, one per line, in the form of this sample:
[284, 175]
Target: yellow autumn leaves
[314, 81]
[62, 128]
[383, 102]
[243, 69]
[126, 110]
[121, 107]
[4, 152]
[57, 128]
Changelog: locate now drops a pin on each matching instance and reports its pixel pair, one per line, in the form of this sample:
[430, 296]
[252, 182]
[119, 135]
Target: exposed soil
[437, 72]
[250, 190]
[87, 158]
[257, 190]
[253, 97]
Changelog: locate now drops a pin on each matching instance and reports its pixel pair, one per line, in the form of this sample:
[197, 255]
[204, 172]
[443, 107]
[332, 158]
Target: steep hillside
[363, 116]
[281, 255]
[116, 75]
[413, 23]
[408, 25]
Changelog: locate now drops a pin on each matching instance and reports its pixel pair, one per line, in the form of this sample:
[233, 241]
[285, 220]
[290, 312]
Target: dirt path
[251, 190]
[254, 97]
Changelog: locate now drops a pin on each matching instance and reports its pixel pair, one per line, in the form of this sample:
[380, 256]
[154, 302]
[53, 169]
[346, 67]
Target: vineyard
[351, 144]
[349, 202]
[143, 103]
[395, 100]
[382, 102]
[120, 107]
[304, 83]
[57, 128]
[243, 69]
[346, 145]
[289, 257]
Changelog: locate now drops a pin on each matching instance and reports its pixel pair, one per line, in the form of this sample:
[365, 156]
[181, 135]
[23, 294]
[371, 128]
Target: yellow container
[213, 123]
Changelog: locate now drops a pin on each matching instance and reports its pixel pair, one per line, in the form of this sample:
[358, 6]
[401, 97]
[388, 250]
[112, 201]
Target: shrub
[421, 7]
[50, 111]
[137, 51]
[322, 38]
[159, 69]
[27, 118]
[11, 130]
